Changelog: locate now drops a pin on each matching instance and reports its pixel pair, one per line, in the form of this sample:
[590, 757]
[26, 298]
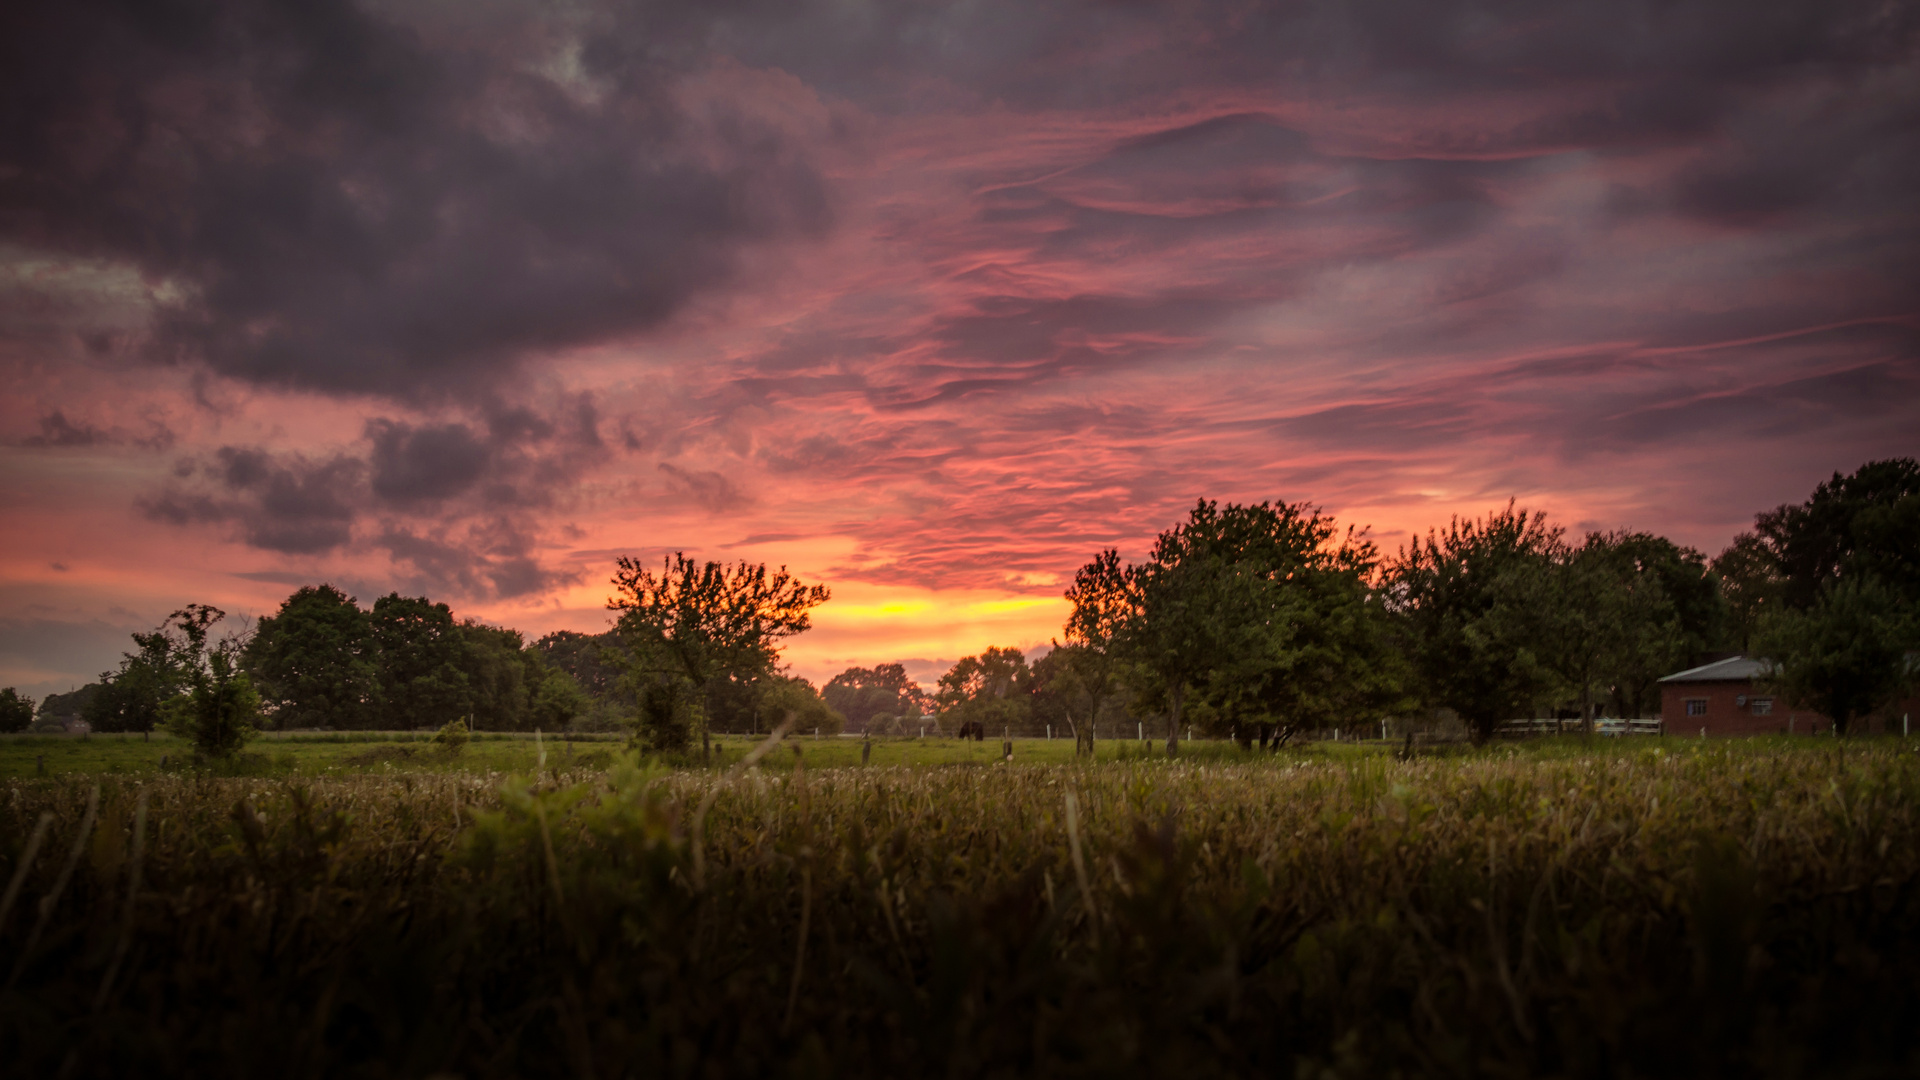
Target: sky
[928, 302]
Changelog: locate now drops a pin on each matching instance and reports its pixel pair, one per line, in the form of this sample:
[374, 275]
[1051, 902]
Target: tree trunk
[1173, 718]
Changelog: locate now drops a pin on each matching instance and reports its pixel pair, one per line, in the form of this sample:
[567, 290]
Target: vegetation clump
[453, 737]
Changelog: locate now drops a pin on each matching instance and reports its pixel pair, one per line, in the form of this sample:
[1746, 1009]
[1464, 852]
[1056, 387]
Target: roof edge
[1754, 666]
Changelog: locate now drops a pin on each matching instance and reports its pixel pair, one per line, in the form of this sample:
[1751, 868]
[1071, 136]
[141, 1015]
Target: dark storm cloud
[284, 503]
[57, 430]
[343, 204]
[60, 431]
[425, 464]
[457, 502]
[483, 561]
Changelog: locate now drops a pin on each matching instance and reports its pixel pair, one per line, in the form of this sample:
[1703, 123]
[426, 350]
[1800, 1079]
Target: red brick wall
[1725, 716]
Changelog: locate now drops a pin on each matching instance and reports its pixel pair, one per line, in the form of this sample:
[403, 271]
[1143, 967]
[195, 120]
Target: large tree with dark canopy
[422, 657]
[1845, 566]
[1468, 601]
[1618, 612]
[315, 664]
[990, 689]
[1258, 611]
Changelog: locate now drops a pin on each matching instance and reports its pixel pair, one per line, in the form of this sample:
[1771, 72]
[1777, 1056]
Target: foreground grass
[1686, 909]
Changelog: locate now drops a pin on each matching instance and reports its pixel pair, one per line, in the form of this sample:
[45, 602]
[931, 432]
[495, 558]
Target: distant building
[1729, 697]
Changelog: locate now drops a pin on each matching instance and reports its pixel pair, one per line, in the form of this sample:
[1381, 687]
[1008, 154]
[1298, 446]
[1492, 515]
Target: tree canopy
[1844, 570]
[881, 698]
[1467, 600]
[691, 626]
[16, 710]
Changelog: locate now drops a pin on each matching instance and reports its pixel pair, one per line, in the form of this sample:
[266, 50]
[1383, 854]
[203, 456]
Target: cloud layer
[930, 301]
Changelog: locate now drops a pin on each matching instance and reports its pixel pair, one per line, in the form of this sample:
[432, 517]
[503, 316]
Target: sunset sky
[929, 302]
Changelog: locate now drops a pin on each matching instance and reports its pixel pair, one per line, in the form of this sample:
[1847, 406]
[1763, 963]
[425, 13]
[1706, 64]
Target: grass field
[1651, 907]
[357, 752]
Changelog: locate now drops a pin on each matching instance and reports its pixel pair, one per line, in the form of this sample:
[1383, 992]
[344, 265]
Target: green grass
[1641, 907]
[354, 752]
[290, 756]
[491, 753]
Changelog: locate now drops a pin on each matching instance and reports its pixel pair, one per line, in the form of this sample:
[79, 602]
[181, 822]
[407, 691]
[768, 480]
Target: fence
[1612, 727]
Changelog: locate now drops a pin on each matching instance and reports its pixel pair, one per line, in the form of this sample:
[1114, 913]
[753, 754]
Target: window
[1763, 706]
[1696, 706]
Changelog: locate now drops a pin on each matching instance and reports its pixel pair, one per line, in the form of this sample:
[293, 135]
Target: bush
[453, 737]
[218, 711]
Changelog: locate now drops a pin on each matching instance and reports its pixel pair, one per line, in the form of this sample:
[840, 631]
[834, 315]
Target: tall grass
[1728, 910]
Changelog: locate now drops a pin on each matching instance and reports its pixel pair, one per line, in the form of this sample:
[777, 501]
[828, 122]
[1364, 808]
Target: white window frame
[1696, 701]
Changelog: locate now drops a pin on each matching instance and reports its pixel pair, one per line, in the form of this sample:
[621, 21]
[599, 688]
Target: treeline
[1257, 621]
[693, 651]
[323, 661]
[1265, 620]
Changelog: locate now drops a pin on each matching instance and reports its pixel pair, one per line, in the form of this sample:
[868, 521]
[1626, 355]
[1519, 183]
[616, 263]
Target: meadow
[1650, 907]
[326, 753]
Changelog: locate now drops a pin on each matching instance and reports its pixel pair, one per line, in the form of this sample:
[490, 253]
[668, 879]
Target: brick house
[1727, 697]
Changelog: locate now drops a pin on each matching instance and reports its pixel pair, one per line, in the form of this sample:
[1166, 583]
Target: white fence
[1609, 726]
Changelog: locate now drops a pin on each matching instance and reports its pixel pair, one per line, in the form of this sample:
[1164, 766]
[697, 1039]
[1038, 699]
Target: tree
[136, 697]
[592, 659]
[1466, 601]
[1750, 584]
[420, 652]
[1324, 652]
[990, 689]
[16, 710]
[691, 623]
[1192, 606]
[501, 676]
[783, 694]
[1673, 614]
[1866, 523]
[203, 694]
[1846, 655]
[314, 662]
[218, 711]
[558, 701]
[878, 698]
[1259, 613]
[1844, 568]
[1089, 668]
[1073, 687]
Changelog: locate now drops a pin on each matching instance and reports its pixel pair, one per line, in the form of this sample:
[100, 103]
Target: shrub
[453, 737]
[218, 711]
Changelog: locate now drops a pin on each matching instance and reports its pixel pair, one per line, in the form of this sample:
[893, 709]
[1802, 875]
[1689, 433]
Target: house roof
[1732, 669]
